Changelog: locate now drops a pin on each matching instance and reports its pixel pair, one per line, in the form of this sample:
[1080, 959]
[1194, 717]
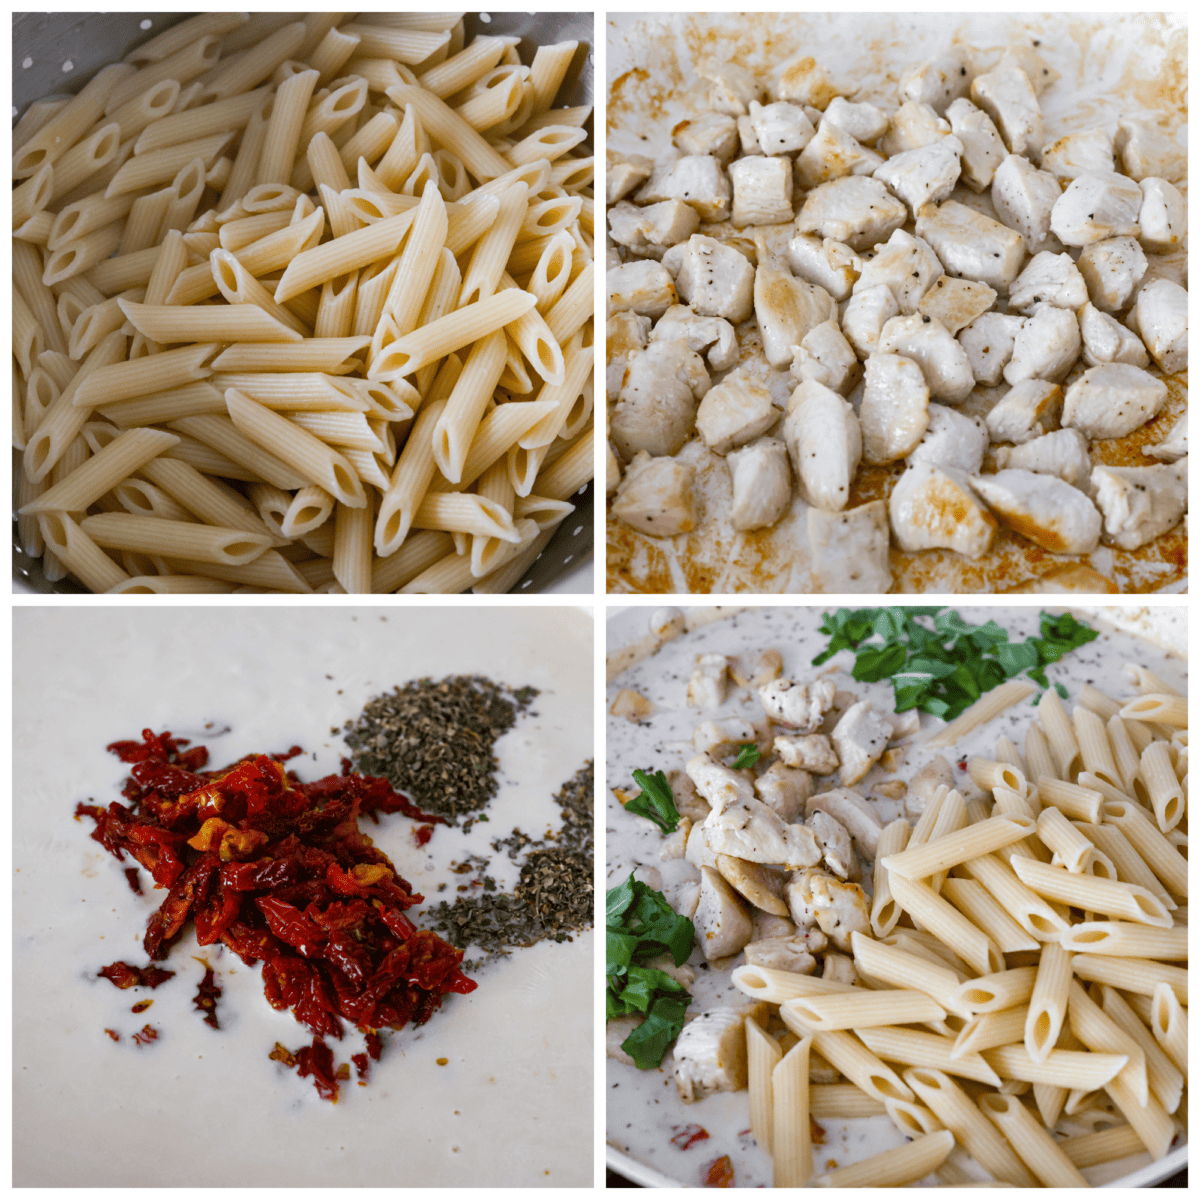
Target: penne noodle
[791, 1135]
[1037, 1149]
[983, 710]
[893, 1168]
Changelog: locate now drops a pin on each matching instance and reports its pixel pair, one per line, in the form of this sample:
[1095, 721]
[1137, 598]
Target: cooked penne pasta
[1036, 1148]
[790, 1132]
[990, 705]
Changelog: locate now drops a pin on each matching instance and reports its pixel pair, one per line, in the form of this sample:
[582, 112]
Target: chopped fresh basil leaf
[748, 755]
[655, 801]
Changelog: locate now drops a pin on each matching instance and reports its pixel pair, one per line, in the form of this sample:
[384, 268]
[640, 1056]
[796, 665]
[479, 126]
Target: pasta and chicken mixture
[853, 245]
[303, 305]
[1004, 976]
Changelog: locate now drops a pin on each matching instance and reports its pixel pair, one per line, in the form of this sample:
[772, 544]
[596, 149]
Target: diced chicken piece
[782, 954]
[747, 136]
[762, 191]
[798, 894]
[734, 412]
[711, 133]
[762, 484]
[687, 894]
[952, 439]
[742, 825]
[857, 815]
[1024, 198]
[698, 852]
[849, 549]
[657, 406]
[780, 128]
[1106, 340]
[812, 752]
[1048, 279]
[860, 737]
[834, 842]
[857, 210]
[624, 174]
[640, 287]
[797, 705]
[932, 347]
[760, 885]
[710, 1054]
[1112, 400]
[1147, 150]
[894, 413]
[666, 624]
[841, 909]
[1095, 206]
[657, 496]
[1063, 453]
[628, 334]
[786, 308]
[631, 705]
[732, 86]
[1080, 153]
[1008, 97]
[933, 507]
[864, 122]
[1076, 579]
[700, 333]
[1028, 410]
[822, 261]
[716, 280]
[1162, 217]
[1174, 446]
[616, 1031]
[1041, 74]
[612, 256]
[826, 356]
[956, 303]
[934, 774]
[767, 667]
[906, 264]
[706, 688]
[924, 175]
[1043, 508]
[833, 154]
[839, 968]
[674, 846]
[687, 801]
[805, 81]
[1112, 270]
[988, 341]
[1159, 315]
[612, 470]
[647, 230]
[768, 926]
[866, 314]
[784, 789]
[825, 444]
[1140, 503]
[912, 126]
[905, 725]
[938, 82]
[684, 975]
[1046, 346]
[983, 151]
[696, 179]
[971, 245]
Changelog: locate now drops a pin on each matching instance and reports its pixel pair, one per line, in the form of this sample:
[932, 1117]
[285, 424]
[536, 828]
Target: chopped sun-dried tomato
[719, 1173]
[131, 877]
[422, 834]
[141, 1006]
[687, 1136]
[125, 976]
[207, 994]
[112, 1033]
[146, 1035]
[279, 871]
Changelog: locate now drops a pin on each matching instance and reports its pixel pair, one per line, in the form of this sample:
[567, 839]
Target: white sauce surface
[199, 1107]
[643, 1108]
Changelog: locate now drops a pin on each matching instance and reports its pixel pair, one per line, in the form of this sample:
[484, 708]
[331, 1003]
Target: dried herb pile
[433, 740]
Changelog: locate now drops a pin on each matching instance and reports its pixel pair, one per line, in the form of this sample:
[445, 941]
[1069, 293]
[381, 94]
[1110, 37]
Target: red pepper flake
[141, 1006]
[719, 1173]
[422, 834]
[961, 764]
[132, 878]
[147, 1034]
[687, 1136]
[122, 975]
[816, 1132]
[207, 994]
[112, 1033]
[279, 871]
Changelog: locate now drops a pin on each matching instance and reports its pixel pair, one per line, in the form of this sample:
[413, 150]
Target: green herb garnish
[655, 801]
[748, 755]
[943, 670]
[641, 925]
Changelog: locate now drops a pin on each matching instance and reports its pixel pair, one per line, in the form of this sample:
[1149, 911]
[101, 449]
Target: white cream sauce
[199, 1107]
[643, 1108]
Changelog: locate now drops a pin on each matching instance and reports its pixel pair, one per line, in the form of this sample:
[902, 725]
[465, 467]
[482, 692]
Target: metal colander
[60, 52]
